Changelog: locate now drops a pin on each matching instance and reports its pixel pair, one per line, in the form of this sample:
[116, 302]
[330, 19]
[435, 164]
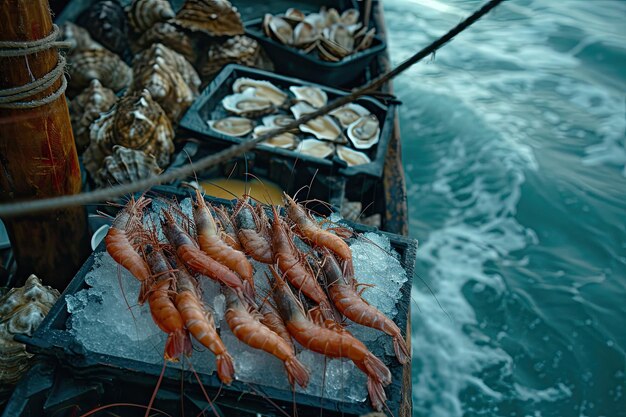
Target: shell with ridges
[236, 50]
[125, 166]
[99, 64]
[107, 23]
[213, 17]
[87, 107]
[352, 157]
[79, 37]
[161, 54]
[143, 14]
[317, 148]
[232, 126]
[364, 132]
[263, 89]
[170, 36]
[21, 312]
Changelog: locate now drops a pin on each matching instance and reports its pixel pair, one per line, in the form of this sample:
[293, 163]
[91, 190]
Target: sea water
[513, 142]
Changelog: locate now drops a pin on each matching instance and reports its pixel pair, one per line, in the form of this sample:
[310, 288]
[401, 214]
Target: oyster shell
[21, 312]
[352, 157]
[277, 120]
[79, 37]
[99, 64]
[316, 97]
[284, 140]
[236, 50]
[247, 104]
[350, 17]
[124, 166]
[317, 148]
[87, 107]
[262, 89]
[349, 114]
[168, 35]
[364, 132]
[232, 126]
[136, 122]
[142, 14]
[107, 24]
[301, 108]
[323, 127]
[213, 17]
[162, 55]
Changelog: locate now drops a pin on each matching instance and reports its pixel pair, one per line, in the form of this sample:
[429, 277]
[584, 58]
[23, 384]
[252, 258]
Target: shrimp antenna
[311, 183]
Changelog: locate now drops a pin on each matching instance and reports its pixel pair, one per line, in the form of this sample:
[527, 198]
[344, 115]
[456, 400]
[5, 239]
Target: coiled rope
[13, 98]
[35, 206]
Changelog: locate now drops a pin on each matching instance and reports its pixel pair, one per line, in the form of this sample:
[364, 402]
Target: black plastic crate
[53, 341]
[208, 107]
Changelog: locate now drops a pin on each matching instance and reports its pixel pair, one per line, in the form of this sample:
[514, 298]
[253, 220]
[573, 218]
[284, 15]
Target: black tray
[53, 341]
[208, 106]
[291, 61]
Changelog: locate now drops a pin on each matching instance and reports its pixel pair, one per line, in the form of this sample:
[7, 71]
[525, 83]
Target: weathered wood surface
[38, 156]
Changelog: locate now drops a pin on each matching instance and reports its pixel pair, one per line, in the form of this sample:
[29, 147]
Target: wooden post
[38, 156]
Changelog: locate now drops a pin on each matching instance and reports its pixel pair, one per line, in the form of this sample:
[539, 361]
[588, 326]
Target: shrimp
[198, 261]
[331, 340]
[211, 244]
[297, 271]
[317, 236]
[351, 305]
[245, 325]
[163, 310]
[200, 322]
[121, 246]
[228, 231]
[252, 232]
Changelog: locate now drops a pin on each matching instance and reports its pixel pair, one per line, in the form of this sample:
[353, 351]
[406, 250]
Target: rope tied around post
[12, 98]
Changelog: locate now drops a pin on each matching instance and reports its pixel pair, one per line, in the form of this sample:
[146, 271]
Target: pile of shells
[256, 107]
[21, 311]
[330, 35]
[236, 50]
[87, 107]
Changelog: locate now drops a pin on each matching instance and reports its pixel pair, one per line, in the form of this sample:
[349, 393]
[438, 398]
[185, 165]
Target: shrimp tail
[177, 343]
[296, 372]
[376, 369]
[377, 393]
[401, 349]
[225, 368]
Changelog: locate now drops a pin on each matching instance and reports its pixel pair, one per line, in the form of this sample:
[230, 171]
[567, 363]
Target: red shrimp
[252, 231]
[331, 340]
[211, 243]
[228, 231]
[351, 305]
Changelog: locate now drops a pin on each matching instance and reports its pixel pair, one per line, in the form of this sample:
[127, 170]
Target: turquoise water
[514, 149]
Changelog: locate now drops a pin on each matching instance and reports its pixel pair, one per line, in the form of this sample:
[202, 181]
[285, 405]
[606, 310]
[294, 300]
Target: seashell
[304, 34]
[142, 14]
[232, 126]
[124, 166]
[316, 20]
[352, 157]
[317, 148]
[301, 108]
[263, 89]
[21, 312]
[342, 40]
[278, 28]
[349, 17]
[167, 34]
[162, 55]
[106, 22]
[284, 140]
[331, 16]
[349, 114]
[364, 132]
[293, 15]
[99, 64]
[277, 120]
[365, 41]
[236, 50]
[213, 17]
[316, 97]
[87, 107]
[79, 37]
[323, 127]
[247, 104]
[136, 122]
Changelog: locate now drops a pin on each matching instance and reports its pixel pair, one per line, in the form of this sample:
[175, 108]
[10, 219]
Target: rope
[36, 206]
[11, 98]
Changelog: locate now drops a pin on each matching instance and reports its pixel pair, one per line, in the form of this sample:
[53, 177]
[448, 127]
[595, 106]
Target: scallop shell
[79, 37]
[232, 126]
[87, 107]
[349, 114]
[168, 35]
[284, 140]
[142, 14]
[316, 97]
[213, 17]
[278, 28]
[317, 148]
[352, 157]
[236, 50]
[99, 64]
[323, 127]
[262, 89]
[365, 132]
[247, 104]
[136, 122]
[125, 166]
[106, 22]
[21, 312]
[304, 34]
